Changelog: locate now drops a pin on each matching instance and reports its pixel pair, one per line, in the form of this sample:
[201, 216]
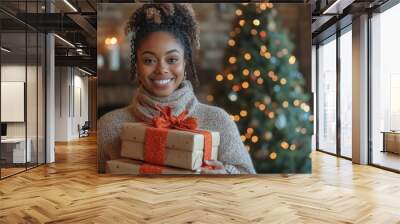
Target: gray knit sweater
[232, 152]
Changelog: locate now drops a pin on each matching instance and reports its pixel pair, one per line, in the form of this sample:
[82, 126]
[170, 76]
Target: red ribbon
[150, 169]
[167, 120]
[156, 138]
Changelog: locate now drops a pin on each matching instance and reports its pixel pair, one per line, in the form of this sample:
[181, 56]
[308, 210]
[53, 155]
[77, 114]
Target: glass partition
[22, 89]
[13, 103]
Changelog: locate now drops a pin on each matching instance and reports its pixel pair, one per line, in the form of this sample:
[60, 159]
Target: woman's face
[160, 63]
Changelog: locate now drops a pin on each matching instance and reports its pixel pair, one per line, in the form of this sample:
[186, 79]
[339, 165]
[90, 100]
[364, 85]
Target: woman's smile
[162, 83]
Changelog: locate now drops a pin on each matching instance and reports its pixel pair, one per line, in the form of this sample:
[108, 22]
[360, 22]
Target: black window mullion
[26, 86]
[369, 94]
[317, 97]
[37, 90]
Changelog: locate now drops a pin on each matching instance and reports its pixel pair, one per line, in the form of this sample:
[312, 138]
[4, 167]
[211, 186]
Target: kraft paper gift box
[135, 167]
[183, 149]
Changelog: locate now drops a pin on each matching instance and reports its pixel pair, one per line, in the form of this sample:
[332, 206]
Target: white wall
[71, 93]
[12, 73]
[34, 124]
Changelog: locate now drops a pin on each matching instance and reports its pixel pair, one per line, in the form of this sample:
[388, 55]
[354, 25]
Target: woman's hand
[213, 167]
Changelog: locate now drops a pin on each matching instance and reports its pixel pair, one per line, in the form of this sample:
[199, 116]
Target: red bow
[167, 120]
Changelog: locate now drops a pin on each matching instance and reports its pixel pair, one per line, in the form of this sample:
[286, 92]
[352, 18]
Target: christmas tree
[263, 91]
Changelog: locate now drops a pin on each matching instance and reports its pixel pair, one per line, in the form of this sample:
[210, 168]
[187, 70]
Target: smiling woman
[164, 37]
[161, 64]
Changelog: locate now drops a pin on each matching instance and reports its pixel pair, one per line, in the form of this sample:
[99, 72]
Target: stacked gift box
[147, 150]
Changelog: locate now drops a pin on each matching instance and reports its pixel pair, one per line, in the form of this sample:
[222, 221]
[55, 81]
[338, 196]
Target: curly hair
[177, 19]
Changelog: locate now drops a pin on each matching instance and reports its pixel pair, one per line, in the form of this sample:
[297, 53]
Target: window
[327, 96]
[346, 93]
[385, 88]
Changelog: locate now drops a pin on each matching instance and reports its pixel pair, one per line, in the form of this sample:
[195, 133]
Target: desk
[13, 150]
[391, 141]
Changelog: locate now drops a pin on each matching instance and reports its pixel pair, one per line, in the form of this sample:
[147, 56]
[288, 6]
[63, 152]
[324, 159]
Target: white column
[50, 94]
[360, 90]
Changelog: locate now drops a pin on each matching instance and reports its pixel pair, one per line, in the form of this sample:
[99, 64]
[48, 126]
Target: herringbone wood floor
[70, 191]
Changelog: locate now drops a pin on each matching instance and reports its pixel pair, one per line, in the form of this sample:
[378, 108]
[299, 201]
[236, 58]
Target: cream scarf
[144, 103]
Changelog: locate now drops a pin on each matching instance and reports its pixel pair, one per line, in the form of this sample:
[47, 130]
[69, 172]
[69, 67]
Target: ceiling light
[5, 49]
[70, 5]
[337, 7]
[65, 41]
[84, 71]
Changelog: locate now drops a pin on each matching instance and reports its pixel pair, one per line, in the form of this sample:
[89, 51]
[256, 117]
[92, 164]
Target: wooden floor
[70, 191]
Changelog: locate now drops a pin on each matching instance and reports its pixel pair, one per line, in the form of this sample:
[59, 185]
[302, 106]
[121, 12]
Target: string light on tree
[247, 56]
[256, 22]
[246, 72]
[232, 60]
[219, 77]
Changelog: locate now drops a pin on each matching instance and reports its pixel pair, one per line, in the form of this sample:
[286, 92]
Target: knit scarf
[144, 104]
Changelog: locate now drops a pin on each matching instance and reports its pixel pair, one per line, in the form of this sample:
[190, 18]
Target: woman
[164, 36]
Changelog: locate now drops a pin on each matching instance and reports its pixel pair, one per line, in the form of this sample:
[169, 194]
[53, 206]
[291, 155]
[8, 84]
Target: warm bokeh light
[256, 22]
[210, 98]
[232, 60]
[245, 72]
[284, 145]
[219, 77]
[231, 43]
[292, 60]
[247, 56]
[254, 139]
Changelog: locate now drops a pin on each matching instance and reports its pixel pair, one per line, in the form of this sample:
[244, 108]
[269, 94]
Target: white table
[16, 148]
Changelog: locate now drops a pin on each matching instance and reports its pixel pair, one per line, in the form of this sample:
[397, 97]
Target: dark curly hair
[177, 19]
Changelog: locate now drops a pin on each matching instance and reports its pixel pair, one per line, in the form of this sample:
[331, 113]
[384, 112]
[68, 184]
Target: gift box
[135, 167]
[181, 148]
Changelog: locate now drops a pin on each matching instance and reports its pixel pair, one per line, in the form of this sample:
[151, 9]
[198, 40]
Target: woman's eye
[148, 61]
[172, 60]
